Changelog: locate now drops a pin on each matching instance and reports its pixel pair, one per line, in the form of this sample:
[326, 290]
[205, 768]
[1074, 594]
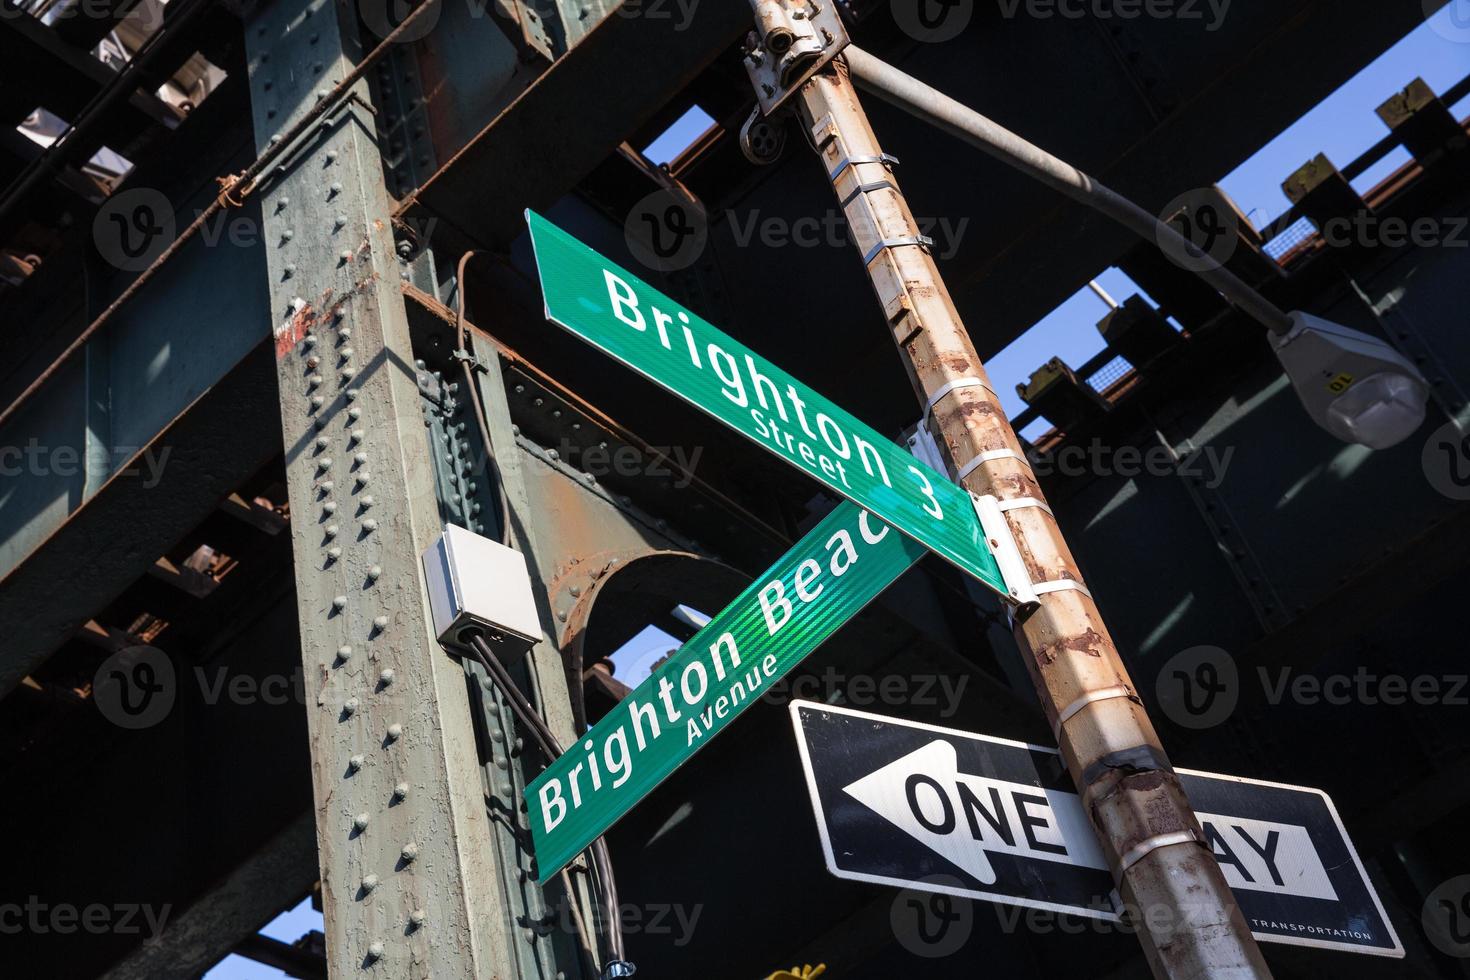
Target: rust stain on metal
[1090, 642]
[295, 327]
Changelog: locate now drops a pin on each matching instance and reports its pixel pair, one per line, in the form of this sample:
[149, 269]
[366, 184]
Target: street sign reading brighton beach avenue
[821, 583]
[933, 809]
[623, 316]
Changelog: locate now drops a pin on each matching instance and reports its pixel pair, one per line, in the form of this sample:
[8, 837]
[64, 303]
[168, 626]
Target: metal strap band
[1022, 503]
[868, 188]
[1071, 710]
[989, 457]
[1064, 585]
[923, 241]
[887, 159]
[1143, 849]
[953, 386]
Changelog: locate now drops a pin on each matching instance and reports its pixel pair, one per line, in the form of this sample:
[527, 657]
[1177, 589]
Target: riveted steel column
[410, 882]
[1187, 919]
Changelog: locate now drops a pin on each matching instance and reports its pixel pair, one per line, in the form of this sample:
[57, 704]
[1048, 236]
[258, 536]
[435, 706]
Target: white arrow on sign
[926, 796]
[964, 818]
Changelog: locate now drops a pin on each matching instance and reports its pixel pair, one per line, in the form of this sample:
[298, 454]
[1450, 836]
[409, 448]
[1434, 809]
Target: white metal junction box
[480, 587]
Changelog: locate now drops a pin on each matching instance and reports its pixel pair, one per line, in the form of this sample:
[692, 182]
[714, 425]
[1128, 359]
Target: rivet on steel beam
[355, 436]
[344, 333]
[417, 918]
[345, 352]
[375, 573]
[369, 882]
[370, 525]
[375, 951]
[289, 270]
[334, 189]
[310, 341]
[367, 501]
[334, 553]
[331, 530]
[380, 623]
[361, 459]
[344, 652]
[324, 464]
[313, 379]
[331, 156]
[349, 707]
[409, 852]
[323, 442]
[355, 763]
[354, 413]
[351, 394]
[395, 732]
[338, 222]
[385, 676]
[287, 235]
[348, 373]
[339, 603]
[326, 486]
[400, 792]
[330, 507]
[346, 256]
[317, 401]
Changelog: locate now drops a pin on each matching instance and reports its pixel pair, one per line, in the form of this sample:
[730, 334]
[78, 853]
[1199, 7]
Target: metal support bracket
[1002, 543]
[466, 357]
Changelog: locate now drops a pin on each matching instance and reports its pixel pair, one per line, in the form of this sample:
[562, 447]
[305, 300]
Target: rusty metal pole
[1186, 917]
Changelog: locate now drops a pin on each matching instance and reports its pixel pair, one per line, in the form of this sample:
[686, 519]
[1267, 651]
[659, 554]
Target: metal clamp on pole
[923, 241]
[1003, 546]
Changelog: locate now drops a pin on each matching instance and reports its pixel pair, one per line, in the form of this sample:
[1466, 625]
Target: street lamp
[1351, 383]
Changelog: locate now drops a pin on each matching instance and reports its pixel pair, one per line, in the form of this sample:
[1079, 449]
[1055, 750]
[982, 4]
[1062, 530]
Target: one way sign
[902, 803]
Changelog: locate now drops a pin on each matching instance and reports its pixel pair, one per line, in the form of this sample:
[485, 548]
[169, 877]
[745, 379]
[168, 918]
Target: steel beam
[409, 874]
[651, 58]
[259, 888]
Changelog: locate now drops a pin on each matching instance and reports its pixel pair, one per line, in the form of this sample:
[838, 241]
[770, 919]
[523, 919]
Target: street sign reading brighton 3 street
[934, 809]
[823, 581]
[618, 313]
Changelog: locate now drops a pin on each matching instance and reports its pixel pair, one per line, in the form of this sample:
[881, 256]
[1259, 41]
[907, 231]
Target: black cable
[473, 390]
[527, 715]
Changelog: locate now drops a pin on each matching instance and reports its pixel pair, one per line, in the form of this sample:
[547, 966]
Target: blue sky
[1342, 126]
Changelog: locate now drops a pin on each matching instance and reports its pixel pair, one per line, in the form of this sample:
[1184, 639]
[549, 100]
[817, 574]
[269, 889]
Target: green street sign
[623, 316]
[821, 583]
